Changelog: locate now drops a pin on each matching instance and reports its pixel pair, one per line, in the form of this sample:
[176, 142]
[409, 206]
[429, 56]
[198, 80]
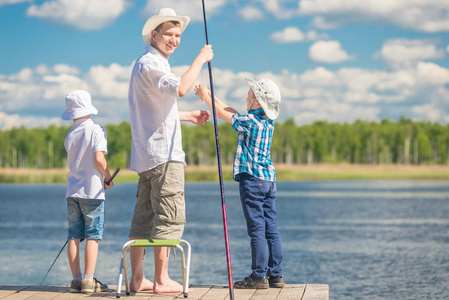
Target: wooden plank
[241, 294]
[27, 292]
[216, 292]
[8, 290]
[53, 292]
[143, 295]
[202, 292]
[265, 294]
[293, 292]
[316, 292]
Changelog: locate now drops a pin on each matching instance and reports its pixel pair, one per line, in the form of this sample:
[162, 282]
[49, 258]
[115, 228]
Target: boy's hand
[199, 117]
[201, 91]
[108, 186]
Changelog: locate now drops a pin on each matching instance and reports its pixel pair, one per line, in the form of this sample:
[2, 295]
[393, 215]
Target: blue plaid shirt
[253, 153]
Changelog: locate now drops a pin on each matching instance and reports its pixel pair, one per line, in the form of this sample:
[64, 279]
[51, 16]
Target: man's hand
[206, 54]
[199, 117]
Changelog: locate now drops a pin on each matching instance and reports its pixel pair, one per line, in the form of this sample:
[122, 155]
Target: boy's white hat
[78, 104]
[164, 15]
[268, 95]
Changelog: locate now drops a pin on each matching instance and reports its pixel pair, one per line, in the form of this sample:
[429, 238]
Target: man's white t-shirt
[155, 123]
[85, 179]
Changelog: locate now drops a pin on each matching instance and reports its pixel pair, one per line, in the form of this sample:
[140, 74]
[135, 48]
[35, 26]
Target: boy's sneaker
[75, 286]
[252, 282]
[276, 281]
[95, 286]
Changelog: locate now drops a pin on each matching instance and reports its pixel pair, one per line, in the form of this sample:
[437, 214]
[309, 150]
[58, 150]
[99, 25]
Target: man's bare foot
[170, 287]
[145, 285]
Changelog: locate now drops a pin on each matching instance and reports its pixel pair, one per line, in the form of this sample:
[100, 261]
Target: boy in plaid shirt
[254, 171]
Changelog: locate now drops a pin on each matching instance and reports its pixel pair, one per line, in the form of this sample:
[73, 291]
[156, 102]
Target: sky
[334, 60]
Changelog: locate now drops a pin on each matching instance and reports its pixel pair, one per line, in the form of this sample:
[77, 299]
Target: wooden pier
[203, 292]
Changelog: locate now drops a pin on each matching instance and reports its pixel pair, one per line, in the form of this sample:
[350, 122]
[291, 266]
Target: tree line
[385, 142]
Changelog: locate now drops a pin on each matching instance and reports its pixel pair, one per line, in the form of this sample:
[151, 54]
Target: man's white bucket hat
[78, 104]
[268, 95]
[164, 15]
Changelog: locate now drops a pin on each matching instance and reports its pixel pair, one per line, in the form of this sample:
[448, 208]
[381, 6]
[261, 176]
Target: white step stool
[176, 243]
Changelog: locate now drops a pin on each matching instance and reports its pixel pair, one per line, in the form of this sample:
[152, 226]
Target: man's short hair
[159, 27]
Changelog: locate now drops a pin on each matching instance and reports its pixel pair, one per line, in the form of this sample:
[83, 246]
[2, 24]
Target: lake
[385, 239]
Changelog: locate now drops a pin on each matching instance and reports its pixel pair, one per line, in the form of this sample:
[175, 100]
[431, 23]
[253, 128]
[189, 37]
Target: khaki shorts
[160, 207]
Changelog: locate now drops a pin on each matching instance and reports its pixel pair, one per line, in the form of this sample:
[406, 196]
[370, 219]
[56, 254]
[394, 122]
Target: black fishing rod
[112, 177]
[217, 146]
[57, 256]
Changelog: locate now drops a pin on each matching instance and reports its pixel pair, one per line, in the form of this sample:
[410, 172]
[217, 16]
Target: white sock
[88, 277]
[77, 276]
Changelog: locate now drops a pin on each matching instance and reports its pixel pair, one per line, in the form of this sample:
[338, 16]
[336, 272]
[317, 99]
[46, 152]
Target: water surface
[366, 239]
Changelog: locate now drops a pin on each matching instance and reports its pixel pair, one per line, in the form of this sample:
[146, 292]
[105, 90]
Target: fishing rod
[220, 173]
[57, 256]
[112, 177]
[54, 261]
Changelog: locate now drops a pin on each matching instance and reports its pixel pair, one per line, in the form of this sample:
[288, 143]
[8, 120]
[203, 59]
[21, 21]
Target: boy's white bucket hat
[164, 15]
[78, 104]
[268, 95]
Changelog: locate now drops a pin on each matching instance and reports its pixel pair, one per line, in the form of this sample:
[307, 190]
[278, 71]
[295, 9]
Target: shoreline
[209, 173]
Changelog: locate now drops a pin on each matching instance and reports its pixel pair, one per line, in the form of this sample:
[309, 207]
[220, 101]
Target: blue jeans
[258, 199]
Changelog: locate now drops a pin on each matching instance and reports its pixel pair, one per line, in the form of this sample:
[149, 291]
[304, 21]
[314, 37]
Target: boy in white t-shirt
[86, 145]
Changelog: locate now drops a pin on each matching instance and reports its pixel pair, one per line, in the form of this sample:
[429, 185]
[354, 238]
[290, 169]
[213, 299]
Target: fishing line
[54, 261]
[217, 146]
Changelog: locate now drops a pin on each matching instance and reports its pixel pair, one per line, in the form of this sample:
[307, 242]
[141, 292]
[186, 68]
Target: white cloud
[111, 82]
[447, 48]
[428, 112]
[275, 7]
[402, 52]
[36, 96]
[346, 94]
[430, 74]
[193, 9]
[41, 91]
[336, 112]
[420, 15]
[294, 34]
[34, 89]
[328, 52]
[251, 13]
[9, 2]
[66, 69]
[81, 14]
[259, 8]
[15, 120]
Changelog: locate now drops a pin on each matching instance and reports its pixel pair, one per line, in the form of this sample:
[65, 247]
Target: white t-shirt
[155, 124]
[85, 179]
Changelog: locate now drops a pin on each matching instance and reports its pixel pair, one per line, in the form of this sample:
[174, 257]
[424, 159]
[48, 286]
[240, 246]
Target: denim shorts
[86, 218]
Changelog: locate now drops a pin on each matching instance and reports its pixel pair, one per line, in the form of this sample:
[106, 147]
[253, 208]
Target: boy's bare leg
[162, 282]
[138, 281]
[90, 256]
[73, 255]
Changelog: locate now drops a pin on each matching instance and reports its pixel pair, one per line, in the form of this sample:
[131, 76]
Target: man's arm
[189, 77]
[199, 117]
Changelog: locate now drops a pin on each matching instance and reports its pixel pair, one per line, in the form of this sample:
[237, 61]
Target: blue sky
[336, 61]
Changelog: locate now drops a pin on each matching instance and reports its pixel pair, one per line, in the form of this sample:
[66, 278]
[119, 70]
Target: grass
[284, 173]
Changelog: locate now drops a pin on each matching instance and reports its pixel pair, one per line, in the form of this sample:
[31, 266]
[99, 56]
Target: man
[157, 153]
